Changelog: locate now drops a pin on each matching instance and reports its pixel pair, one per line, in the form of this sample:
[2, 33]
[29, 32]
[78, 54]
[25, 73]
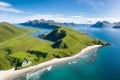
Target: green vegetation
[64, 42]
[69, 38]
[8, 31]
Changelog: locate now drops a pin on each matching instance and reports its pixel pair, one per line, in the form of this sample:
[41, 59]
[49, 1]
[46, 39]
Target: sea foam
[35, 75]
[49, 68]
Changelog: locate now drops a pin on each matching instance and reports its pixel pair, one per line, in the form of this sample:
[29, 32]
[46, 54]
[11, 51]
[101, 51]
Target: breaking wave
[35, 75]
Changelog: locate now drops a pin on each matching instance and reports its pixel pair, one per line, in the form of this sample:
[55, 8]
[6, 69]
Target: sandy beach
[10, 74]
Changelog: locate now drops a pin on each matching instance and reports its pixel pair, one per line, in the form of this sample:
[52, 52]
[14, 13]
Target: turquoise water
[106, 65]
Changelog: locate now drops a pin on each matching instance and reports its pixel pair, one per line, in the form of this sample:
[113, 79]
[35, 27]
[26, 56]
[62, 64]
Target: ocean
[105, 66]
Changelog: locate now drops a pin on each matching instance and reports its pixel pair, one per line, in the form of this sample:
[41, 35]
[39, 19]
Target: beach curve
[10, 74]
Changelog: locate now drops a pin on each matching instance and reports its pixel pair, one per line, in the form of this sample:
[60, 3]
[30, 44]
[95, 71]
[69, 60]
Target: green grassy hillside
[13, 52]
[8, 31]
[11, 40]
[67, 38]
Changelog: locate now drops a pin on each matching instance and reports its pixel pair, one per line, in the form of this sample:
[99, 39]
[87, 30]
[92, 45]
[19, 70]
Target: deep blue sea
[106, 65]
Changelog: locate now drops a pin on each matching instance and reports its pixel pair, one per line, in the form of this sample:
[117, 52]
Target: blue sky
[78, 11]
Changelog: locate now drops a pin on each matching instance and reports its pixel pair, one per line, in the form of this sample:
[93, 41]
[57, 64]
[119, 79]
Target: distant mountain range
[51, 24]
[106, 24]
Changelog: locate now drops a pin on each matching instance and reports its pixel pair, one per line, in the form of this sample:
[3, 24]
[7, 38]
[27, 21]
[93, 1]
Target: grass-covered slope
[13, 51]
[67, 38]
[13, 40]
[8, 31]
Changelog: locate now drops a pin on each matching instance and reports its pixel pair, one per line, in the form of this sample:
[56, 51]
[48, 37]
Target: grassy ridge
[67, 38]
[8, 31]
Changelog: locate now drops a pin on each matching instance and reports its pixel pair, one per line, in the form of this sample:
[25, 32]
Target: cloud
[4, 6]
[94, 4]
[75, 19]
[58, 18]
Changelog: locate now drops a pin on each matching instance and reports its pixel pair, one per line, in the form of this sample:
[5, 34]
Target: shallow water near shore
[101, 65]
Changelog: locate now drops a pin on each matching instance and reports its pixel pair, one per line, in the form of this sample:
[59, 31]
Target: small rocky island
[107, 44]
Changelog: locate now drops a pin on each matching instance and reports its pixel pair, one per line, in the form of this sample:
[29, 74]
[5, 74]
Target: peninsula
[21, 50]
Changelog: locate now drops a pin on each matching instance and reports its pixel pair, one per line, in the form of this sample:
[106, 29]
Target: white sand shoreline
[10, 74]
